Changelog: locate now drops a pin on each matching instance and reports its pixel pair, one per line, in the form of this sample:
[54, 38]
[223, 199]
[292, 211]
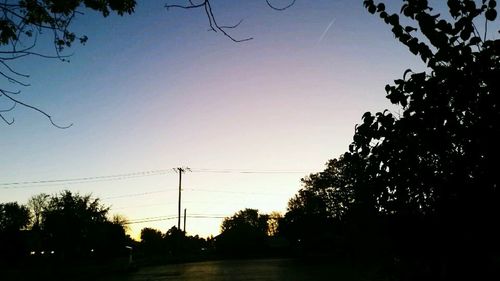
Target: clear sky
[156, 90]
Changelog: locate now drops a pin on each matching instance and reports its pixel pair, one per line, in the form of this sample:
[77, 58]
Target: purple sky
[156, 90]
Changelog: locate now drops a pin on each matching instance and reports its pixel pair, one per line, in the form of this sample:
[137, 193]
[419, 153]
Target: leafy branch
[23, 21]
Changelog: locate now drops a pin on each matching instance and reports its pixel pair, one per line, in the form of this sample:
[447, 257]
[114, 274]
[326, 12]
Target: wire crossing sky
[157, 89]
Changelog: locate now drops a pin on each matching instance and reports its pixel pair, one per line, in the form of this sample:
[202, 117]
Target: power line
[247, 171]
[165, 218]
[77, 182]
[185, 189]
[138, 206]
[234, 192]
[83, 179]
[175, 216]
[139, 194]
[91, 179]
[206, 217]
[194, 189]
[163, 204]
[150, 220]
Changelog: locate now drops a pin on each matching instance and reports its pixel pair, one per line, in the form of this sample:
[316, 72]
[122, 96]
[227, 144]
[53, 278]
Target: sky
[156, 90]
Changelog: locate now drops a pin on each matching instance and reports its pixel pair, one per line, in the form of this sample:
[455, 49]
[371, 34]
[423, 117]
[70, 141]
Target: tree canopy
[13, 217]
[455, 102]
[68, 225]
[23, 22]
[243, 234]
[421, 185]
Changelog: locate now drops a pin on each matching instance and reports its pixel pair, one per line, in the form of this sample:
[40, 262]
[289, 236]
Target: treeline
[62, 228]
[172, 246]
[417, 194]
[73, 229]
[246, 234]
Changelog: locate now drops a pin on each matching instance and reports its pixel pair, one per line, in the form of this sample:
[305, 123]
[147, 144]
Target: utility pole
[184, 220]
[180, 170]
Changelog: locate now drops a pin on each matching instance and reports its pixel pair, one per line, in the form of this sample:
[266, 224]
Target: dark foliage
[432, 170]
[173, 245]
[23, 22]
[64, 228]
[244, 234]
[14, 218]
[152, 241]
[418, 193]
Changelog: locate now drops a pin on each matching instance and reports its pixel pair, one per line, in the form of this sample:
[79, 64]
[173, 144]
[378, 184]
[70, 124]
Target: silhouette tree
[23, 22]
[328, 193]
[77, 226]
[454, 102]
[422, 186]
[317, 212]
[273, 222]
[432, 170]
[246, 218]
[152, 242]
[13, 219]
[121, 221]
[36, 205]
[243, 234]
[173, 245]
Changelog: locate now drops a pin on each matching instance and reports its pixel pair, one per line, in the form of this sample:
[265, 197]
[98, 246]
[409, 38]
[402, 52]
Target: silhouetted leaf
[380, 7]
[491, 14]
[475, 40]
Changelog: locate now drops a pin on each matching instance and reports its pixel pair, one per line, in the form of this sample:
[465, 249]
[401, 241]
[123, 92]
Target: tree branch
[7, 121]
[22, 21]
[10, 109]
[185, 7]
[232, 26]
[13, 80]
[214, 26]
[12, 70]
[280, 9]
[222, 30]
[33, 108]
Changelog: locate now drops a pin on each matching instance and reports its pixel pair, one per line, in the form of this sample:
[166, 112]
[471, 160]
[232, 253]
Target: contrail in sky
[326, 30]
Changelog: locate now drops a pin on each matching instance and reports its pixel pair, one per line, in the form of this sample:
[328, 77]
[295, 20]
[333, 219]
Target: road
[244, 270]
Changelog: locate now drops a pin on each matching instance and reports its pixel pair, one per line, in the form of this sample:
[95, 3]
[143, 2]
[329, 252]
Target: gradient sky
[156, 90]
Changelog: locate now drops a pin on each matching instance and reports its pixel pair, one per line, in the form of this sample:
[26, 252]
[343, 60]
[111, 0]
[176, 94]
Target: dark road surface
[244, 270]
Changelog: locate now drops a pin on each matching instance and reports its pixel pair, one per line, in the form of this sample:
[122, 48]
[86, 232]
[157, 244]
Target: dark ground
[247, 270]
[276, 269]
